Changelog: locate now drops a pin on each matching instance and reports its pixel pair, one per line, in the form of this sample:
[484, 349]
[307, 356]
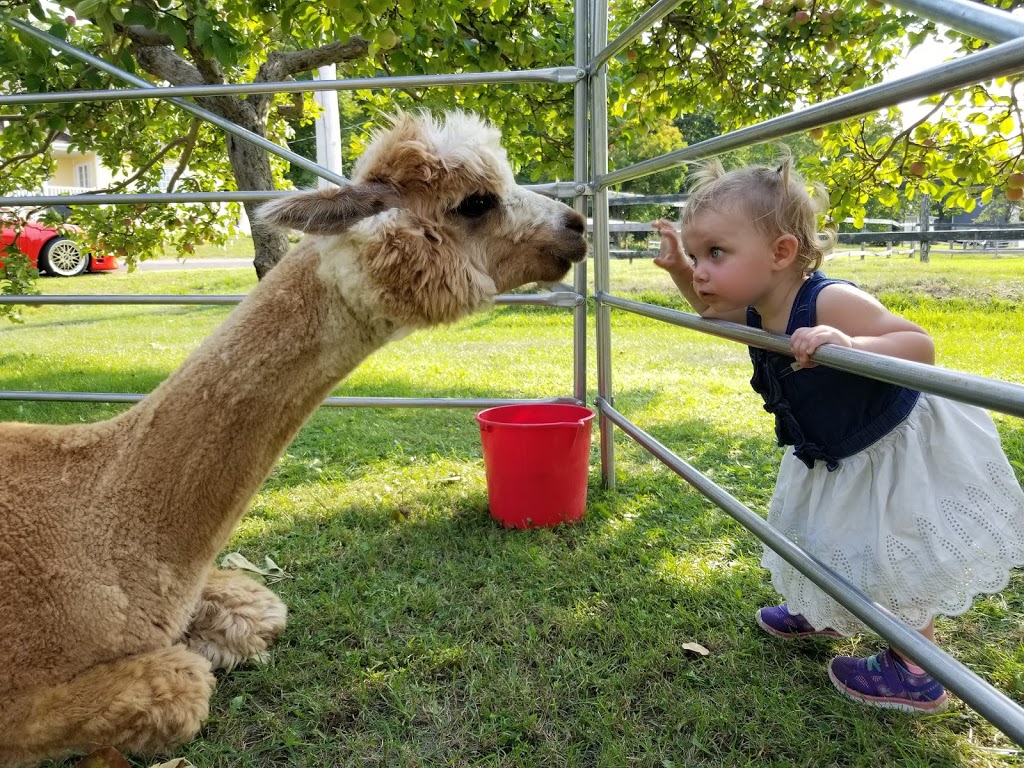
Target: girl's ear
[784, 251]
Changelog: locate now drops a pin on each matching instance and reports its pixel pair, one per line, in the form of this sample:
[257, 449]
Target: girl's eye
[716, 253]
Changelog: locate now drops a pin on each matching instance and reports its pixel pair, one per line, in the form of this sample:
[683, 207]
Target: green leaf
[58, 30]
[174, 28]
[88, 8]
[223, 50]
[128, 62]
[202, 30]
[139, 15]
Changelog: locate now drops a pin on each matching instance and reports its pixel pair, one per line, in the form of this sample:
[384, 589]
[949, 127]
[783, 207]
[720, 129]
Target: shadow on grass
[121, 315]
[441, 635]
[422, 633]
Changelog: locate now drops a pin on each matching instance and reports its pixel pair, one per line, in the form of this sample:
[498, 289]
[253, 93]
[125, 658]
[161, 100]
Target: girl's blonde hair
[777, 199]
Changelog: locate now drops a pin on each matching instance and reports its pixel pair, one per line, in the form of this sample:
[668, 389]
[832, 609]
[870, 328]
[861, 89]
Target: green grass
[238, 247]
[422, 634]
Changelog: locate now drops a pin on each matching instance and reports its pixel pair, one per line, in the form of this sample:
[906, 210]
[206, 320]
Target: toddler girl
[905, 494]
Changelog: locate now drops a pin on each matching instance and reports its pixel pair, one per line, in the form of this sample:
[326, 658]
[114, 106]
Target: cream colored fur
[112, 616]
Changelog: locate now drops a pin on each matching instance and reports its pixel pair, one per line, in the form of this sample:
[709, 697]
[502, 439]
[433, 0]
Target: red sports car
[52, 252]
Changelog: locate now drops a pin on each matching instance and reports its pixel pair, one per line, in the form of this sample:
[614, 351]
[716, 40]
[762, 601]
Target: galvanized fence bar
[137, 198]
[933, 235]
[331, 402]
[991, 703]
[205, 114]
[566, 299]
[581, 170]
[599, 166]
[651, 16]
[552, 189]
[977, 390]
[563, 299]
[558, 75]
[981, 21]
[1004, 59]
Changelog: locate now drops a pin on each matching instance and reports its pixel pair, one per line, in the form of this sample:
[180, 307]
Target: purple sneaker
[882, 680]
[778, 621]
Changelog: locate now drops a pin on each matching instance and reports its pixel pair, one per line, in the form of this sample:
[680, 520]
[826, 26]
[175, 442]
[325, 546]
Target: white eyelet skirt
[923, 520]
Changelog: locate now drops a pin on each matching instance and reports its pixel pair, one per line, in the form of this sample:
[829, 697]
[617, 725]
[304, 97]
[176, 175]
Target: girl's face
[733, 263]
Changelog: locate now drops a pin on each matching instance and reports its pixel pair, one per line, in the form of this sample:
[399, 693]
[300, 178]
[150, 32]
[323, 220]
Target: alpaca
[112, 614]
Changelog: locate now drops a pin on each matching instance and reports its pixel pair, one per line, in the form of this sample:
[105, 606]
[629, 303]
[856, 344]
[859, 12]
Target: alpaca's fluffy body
[111, 615]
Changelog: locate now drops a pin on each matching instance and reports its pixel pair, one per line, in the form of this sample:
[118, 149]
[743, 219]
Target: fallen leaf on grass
[180, 762]
[696, 648]
[449, 479]
[271, 571]
[105, 757]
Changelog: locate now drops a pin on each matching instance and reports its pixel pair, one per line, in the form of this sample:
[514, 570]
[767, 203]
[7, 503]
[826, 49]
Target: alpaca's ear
[329, 211]
[418, 275]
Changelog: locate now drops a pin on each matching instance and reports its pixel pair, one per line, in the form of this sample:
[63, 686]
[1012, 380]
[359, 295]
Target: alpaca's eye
[475, 206]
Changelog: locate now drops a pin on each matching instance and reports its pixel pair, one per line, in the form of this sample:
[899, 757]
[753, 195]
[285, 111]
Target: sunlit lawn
[421, 633]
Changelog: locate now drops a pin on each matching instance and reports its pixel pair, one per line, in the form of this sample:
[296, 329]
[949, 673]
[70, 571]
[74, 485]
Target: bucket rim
[481, 417]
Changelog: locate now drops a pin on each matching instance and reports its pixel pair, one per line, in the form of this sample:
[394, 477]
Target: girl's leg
[929, 633]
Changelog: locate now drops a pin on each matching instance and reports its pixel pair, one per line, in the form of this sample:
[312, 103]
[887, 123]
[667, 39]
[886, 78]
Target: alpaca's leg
[146, 703]
[236, 619]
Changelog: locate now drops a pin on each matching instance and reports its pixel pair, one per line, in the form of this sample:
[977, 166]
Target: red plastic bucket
[537, 461]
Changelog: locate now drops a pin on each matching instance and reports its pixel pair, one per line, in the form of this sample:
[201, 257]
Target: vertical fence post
[581, 168]
[599, 160]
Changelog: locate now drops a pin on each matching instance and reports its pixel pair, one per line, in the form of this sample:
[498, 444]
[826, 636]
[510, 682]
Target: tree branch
[186, 154]
[209, 69]
[279, 65]
[163, 63]
[153, 161]
[143, 36]
[50, 138]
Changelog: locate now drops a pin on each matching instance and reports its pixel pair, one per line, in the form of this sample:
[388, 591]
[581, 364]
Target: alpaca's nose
[575, 221]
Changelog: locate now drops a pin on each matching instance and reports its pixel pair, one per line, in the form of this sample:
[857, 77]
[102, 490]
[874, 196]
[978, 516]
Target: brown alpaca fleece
[112, 616]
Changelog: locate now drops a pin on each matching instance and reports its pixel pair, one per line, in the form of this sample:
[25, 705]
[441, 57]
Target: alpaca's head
[434, 223]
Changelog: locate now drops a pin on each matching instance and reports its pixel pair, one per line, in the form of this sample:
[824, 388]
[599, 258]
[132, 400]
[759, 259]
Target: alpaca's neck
[206, 439]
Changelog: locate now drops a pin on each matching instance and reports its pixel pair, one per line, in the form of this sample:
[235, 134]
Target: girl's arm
[673, 259]
[849, 317]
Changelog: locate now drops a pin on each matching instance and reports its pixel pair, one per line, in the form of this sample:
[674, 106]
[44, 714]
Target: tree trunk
[251, 165]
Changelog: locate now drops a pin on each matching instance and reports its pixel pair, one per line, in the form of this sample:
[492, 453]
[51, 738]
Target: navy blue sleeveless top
[825, 414]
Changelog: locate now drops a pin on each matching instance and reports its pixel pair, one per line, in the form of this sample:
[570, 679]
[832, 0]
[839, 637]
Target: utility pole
[926, 204]
[328, 127]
